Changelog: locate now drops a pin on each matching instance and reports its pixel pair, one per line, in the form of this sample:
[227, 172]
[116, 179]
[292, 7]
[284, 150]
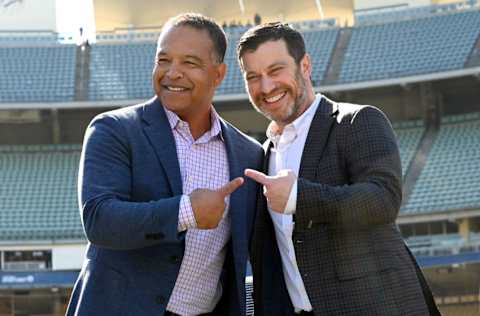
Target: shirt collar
[300, 124]
[215, 130]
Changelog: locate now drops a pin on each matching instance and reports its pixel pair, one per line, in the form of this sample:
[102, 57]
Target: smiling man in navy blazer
[165, 210]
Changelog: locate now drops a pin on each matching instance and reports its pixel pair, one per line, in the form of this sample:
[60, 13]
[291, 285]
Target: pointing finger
[231, 186]
[258, 176]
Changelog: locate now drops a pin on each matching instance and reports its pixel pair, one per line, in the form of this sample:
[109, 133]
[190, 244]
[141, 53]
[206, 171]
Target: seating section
[451, 176]
[417, 46]
[404, 12]
[37, 74]
[121, 71]
[443, 245]
[28, 38]
[409, 135]
[465, 309]
[39, 202]
[233, 82]
[44, 72]
[320, 45]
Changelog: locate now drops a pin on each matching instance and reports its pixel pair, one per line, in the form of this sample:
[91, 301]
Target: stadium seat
[39, 202]
[451, 177]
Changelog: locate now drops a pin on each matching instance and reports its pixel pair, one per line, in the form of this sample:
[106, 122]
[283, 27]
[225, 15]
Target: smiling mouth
[175, 89]
[274, 98]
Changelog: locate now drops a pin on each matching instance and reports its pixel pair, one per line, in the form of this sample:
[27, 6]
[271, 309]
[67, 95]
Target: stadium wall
[28, 15]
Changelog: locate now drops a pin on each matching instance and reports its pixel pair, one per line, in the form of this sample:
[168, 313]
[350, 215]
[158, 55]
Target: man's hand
[208, 205]
[275, 188]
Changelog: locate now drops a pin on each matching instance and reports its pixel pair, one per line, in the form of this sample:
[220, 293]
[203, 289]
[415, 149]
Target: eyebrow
[196, 58]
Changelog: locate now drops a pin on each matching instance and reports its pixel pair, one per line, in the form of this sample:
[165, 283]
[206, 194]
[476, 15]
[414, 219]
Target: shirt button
[160, 300]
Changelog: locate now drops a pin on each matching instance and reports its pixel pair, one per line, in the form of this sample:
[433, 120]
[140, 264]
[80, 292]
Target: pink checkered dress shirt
[203, 164]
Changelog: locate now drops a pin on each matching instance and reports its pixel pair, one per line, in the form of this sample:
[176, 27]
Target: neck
[199, 122]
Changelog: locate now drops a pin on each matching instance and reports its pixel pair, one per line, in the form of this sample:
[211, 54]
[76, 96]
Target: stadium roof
[111, 14]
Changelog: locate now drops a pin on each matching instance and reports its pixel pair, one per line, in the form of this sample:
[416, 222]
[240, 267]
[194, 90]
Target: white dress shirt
[203, 164]
[286, 154]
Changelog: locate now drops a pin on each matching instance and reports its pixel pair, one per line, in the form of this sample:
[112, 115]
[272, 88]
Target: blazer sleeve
[372, 163]
[109, 217]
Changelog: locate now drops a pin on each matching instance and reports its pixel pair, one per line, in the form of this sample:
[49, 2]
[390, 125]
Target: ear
[306, 66]
[221, 70]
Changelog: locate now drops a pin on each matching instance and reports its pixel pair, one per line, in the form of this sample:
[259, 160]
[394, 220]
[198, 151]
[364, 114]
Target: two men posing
[169, 215]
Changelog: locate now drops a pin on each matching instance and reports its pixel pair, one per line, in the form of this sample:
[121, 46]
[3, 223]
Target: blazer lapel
[234, 156]
[158, 131]
[237, 204]
[317, 137]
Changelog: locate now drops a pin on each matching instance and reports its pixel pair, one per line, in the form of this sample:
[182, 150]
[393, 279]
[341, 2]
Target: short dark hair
[274, 31]
[202, 22]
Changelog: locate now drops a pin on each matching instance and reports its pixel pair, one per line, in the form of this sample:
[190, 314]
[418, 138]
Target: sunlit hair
[201, 22]
[274, 31]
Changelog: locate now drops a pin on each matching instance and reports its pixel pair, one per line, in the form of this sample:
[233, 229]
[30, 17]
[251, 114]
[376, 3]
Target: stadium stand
[417, 46]
[409, 134]
[403, 12]
[37, 73]
[450, 179]
[47, 175]
[39, 202]
[121, 71]
[38, 193]
[460, 309]
[29, 38]
[320, 45]
[442, 245]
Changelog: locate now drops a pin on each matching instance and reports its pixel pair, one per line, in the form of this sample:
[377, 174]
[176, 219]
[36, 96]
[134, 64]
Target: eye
[251, 77]
[191, 63]
[276, 71]
[162, 60]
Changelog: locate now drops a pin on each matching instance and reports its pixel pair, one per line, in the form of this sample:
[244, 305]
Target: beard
[292, 111]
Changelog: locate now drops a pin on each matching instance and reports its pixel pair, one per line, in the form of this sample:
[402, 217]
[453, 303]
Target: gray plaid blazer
[349, 251]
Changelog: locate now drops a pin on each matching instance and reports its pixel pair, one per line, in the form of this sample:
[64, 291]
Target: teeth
[275, 98]
[176, 89]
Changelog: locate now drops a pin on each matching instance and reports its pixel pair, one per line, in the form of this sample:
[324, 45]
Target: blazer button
[160, 300]
[299, 241]
[174, 259]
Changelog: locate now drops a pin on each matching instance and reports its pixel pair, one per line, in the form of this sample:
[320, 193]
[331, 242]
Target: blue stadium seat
[416, 46]
[37, 73]
[39, 202]
[451, 177]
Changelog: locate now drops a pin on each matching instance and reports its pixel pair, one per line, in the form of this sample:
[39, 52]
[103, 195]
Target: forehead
[184, 39]
[266, 54]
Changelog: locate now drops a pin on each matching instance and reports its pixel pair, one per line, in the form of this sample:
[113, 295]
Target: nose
[174, 72]
[266, 85]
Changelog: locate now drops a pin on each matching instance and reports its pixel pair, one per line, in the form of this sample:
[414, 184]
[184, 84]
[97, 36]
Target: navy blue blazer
[129, 192]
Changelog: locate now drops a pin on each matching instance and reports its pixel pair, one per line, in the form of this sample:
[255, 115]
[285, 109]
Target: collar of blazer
[316, 139]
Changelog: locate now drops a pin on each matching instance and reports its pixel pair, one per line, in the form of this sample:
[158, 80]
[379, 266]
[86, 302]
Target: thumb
[231, 186]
